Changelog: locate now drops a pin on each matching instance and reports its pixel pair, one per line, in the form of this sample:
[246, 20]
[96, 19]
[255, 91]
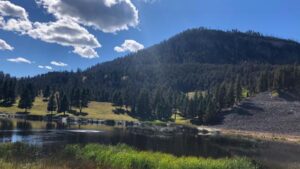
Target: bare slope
[265, 113]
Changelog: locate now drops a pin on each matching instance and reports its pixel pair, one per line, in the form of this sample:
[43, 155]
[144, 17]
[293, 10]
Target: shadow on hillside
[244, 109]
[76, 113]
[289, 96]
[120, 111]
[22, 113]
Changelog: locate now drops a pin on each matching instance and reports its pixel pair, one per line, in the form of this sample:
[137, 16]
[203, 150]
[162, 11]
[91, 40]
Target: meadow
[96, 110]
[107, 157]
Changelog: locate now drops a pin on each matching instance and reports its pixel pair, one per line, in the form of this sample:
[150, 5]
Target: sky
[39, 36]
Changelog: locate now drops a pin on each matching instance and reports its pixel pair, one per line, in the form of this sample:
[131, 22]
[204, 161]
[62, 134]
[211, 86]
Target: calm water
[273, 155]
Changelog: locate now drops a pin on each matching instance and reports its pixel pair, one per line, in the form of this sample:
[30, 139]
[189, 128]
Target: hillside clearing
[97, 110]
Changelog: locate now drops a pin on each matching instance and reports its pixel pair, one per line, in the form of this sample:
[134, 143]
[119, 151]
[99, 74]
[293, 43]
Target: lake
[270, 154]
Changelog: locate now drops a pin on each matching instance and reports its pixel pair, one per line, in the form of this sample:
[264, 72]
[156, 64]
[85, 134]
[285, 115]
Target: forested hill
[217, 47]
[154, 81]
[197, 59]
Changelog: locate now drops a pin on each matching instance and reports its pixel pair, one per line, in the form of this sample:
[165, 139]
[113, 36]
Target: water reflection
[24, 125]
[41, 133]
[6, 124]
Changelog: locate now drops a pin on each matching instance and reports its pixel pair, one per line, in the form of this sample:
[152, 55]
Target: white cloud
[105, 15]
[86, 52]
[19, 60]
[45, 67]
[64, 32]
[9, 9]
[60, 64]
[149, 1]
[13, 17]
[48, 67]
[67, 33]
[5, 46]
[71, 16]
[129, 45]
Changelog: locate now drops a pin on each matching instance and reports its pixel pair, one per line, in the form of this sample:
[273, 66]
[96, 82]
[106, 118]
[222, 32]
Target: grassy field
[97, 110]
[107, 157]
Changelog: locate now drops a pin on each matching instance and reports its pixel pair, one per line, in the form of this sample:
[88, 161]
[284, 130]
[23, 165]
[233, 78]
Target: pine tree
[85, 97]
[52, 104]
[220, 95]
[25, 101]
[117, 99]
[143, 105]
[238, 89]
[230, 95]
[210, 112]
[46, 92]
[64, 104]
[201, 108]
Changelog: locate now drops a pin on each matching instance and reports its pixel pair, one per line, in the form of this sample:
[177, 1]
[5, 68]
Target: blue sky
[143, 22]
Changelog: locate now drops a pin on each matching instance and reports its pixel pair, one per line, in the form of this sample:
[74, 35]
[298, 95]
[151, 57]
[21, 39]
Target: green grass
[275, 93]
[107, 157]
[124, 157]
[98, 110]
[245, 93]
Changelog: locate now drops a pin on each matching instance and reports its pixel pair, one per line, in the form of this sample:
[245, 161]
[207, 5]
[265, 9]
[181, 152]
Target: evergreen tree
[230, 96]
[31, 91]
[143, 105]
[64, 104]
[262, 82]
[201, 108]
[85, 97]
[52, 104]
[238, 89]
[210, 112]
[75, 98]
[117, 99]
[8, 92]
[46, 92]
[25, 101]
[220, 95]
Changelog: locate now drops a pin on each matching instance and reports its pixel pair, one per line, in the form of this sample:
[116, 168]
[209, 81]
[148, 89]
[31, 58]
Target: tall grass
[92, 156]
[124, 157]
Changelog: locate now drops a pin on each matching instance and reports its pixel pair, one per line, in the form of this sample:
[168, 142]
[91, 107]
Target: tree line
[150, 101]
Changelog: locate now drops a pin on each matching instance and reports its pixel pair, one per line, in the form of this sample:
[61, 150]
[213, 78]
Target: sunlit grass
[124, 157]
[97, 110]
[107, 157]
[275, 93]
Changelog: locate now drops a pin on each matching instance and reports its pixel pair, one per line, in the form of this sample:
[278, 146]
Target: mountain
[196, 59]
[220, 67]
[217, 47]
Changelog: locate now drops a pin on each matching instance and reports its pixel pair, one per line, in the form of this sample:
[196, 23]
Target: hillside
[154, 81]
[266, 113]
[196, 59]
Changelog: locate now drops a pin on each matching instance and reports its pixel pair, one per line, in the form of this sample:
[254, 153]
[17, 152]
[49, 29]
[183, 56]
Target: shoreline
[265, 136]
[203, 130]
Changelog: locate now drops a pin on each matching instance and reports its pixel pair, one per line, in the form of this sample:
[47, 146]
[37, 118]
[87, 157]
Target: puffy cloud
[45, 67]
[5, 46]
[67, 33]
[60, 64]
[71, 16]
[148, 1]
[105, 15]
[86, 52]
[64, 32]
[19, 60]
[13, 17]
[129, 45]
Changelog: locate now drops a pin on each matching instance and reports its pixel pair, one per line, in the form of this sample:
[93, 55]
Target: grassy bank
[97, 110]
[107, 157]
